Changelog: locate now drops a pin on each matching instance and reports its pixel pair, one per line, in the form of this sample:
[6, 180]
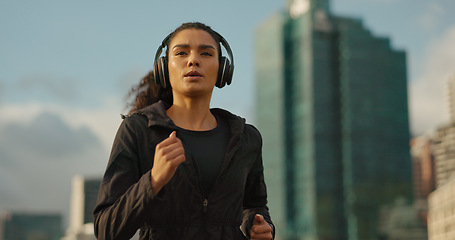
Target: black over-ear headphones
[225, 71]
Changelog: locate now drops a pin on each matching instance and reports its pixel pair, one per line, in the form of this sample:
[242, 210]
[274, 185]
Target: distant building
[441, 217]
[84, 196]
[444, 153]
[83, 200]
[332, 109]
[451, 97]
[423, 167]
[31, 226]
[401, 221]
[424, 176]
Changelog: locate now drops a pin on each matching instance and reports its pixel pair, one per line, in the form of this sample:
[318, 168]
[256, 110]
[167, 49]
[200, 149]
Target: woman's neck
[192, 114]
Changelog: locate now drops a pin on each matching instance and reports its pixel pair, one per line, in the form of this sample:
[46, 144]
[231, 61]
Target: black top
[208, 149]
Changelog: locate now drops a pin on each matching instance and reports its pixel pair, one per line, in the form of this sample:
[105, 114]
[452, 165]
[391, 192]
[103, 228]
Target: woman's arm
[124, 193]
[255, 200]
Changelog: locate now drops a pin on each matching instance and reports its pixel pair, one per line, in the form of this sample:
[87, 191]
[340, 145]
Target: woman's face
[193, 63]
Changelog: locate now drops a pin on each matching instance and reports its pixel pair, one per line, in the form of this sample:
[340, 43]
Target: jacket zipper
[205, 203]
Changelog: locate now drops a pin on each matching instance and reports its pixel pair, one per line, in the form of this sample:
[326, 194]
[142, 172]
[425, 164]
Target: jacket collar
[156, 114]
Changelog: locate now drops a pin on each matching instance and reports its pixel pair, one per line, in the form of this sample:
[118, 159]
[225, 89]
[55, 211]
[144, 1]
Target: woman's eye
[207, 54]
[180, 53]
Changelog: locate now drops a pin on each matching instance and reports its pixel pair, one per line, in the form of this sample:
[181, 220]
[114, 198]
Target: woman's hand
[169, 154]
[261, 229]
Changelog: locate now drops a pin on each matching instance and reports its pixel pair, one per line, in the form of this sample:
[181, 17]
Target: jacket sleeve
[255, 200]
[124, 193]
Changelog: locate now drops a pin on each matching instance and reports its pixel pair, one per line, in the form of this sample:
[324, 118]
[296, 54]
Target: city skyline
[66, 69]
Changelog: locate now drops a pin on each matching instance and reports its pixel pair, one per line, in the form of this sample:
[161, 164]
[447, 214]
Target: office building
[83, 200]
[31, 226]
[332, 109]
[424, 177]
[441, 217]
[444, 153]
[451, 97]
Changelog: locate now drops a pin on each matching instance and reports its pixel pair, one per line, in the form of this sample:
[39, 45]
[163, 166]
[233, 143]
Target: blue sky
[66, 67]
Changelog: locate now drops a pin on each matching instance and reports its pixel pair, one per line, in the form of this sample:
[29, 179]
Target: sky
[66, 68]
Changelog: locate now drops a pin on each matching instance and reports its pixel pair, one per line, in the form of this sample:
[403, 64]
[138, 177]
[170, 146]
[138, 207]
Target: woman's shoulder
[133, 122]
[239, 123]
[253, 134]
[252, 129]
[154, 114]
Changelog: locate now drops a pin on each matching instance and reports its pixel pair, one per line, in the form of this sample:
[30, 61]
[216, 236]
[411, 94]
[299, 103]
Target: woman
[178, 169]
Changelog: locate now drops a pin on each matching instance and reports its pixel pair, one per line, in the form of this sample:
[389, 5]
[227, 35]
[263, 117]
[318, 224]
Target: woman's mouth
[193, 75]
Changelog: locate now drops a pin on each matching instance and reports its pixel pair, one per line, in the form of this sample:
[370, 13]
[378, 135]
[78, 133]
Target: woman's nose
[193, 60]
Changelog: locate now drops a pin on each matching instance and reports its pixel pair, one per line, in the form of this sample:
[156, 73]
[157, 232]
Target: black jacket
[127, 203]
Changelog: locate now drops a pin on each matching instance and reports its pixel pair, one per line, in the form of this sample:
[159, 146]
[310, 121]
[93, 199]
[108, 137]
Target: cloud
[39, 158]
[428, 100]
[49, 136]
[62, 88]
[432, 17]
[102, 121]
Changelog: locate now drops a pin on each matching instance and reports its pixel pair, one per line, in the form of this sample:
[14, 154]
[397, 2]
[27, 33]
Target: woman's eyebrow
[181, 46]
[202, 46]
[207, 46]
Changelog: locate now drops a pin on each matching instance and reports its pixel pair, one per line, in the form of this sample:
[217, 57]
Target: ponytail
[147, 92]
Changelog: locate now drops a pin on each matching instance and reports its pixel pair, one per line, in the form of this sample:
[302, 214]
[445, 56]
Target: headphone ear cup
[224, 73]
[156, 72]
[161, 72]
[164, 73]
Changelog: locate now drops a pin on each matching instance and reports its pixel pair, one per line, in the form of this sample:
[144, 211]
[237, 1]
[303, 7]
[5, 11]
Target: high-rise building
[444, 153]
[424, 177]
[441, 214]
[332, 109]
[451, 97]
[84, 196]
[441, 217]
[83, 200]
[24, 226]
[423, 167]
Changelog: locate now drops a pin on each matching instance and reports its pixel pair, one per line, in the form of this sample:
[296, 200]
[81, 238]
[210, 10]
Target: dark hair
[147, 92]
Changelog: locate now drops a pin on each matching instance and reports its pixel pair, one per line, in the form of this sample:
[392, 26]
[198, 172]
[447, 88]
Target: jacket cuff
[146, 181]
[247, 225]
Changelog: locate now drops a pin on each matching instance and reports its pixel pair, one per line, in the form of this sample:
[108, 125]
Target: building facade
[25, 226]
[424, 176]
[423, 165]
[444, 153]
[332, 109]
[451, 97]
[441, 217]
[84, 194]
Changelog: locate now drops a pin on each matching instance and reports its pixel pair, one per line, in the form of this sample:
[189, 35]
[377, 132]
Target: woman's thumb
[173, 133]
[258, 218]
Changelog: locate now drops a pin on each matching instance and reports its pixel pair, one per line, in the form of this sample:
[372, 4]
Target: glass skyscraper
[332, 110]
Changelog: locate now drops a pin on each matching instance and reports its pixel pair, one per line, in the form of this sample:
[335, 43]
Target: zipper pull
[204, 204]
